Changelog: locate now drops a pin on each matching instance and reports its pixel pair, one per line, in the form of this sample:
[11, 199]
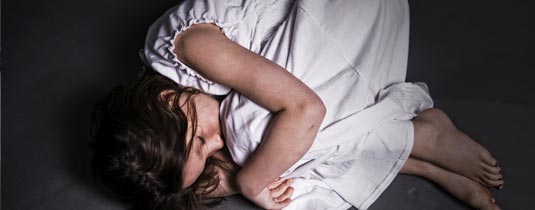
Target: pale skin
[441, 152]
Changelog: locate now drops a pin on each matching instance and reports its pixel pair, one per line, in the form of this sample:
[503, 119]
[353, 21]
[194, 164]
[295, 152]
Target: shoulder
[186, 43]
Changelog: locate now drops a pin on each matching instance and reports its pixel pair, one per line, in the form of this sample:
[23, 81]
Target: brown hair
[139, 144]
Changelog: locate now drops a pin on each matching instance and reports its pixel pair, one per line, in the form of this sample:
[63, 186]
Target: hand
[275, 196]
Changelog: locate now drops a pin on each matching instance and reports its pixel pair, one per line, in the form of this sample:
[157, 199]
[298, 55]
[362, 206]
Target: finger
[287, 194]
[279, 190]
[282, 204]
[274, 183]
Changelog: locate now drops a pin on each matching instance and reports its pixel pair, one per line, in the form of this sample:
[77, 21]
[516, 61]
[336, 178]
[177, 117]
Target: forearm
[288, 138]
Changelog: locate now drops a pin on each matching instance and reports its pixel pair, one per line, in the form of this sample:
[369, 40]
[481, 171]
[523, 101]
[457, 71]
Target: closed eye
[203, 141]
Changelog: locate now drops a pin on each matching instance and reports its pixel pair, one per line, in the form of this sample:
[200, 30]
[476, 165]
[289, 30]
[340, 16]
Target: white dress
[352, 53]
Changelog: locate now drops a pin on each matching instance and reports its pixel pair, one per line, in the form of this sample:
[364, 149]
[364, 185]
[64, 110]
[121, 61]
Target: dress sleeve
[236, 18]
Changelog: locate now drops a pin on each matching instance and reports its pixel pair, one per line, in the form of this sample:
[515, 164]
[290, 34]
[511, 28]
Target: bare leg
[467, 190]
[438, 141]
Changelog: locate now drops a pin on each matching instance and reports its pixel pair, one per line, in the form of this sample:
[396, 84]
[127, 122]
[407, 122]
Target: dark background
[59, 56]
[477, 50]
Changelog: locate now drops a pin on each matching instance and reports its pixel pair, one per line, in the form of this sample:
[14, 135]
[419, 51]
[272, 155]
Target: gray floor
[59, 56]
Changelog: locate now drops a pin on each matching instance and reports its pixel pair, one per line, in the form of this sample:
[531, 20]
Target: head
[205, 139]
[153, 141]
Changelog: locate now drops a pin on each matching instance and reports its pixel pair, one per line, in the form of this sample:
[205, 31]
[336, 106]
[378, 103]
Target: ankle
[418, 167]
[427, 132]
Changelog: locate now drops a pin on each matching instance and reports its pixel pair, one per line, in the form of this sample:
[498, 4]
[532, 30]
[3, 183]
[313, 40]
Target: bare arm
[298, 111]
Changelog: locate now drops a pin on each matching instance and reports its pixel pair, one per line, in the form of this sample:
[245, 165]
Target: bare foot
[438, 141]
[470, 192]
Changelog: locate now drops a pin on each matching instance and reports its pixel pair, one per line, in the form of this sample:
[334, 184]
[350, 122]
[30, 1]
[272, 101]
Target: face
[206, 139]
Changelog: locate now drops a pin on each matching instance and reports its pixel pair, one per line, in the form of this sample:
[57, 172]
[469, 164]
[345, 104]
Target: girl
[296, 105]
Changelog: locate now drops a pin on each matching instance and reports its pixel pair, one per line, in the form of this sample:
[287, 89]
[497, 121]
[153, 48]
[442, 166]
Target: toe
[493, 177]
[492, 169]
[490, 206]
[492, 183]
[489, 203]
[488, 159]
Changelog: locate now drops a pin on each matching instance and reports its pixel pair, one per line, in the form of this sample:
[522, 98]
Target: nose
[214, 144]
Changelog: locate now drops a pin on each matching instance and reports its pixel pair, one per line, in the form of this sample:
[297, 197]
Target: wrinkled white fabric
[352, 53]
[248, 23]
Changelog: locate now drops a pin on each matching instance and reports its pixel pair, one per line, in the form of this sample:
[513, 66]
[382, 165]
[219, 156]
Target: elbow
[321, 110]
[307, 108]
[314, 109]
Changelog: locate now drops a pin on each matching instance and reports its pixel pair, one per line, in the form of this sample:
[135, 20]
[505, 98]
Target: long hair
[138, 135]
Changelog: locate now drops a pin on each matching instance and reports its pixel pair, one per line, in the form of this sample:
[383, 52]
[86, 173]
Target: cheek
[189, 177]
[192, 171]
